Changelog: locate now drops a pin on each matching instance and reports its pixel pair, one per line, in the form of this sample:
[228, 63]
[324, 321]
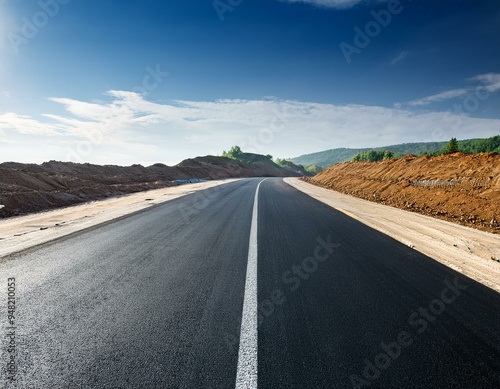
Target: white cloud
[446, 95]
[490, 82]
[26, 125]
[401, 56]
[128, 124]
[339, 4]
[7, 141]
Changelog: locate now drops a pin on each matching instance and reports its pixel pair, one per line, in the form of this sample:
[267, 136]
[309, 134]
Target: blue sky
[123, 82]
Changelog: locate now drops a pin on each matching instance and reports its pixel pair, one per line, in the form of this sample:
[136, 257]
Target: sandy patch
[472, 252]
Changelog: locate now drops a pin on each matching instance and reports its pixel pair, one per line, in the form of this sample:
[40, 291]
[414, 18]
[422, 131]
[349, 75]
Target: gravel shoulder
[472, 252]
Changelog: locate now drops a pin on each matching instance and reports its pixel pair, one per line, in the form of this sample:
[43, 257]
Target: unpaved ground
[23, 232]
[461, 188]
[27, 188]
[467, 250]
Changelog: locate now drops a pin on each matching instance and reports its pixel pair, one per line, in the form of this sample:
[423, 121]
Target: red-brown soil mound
[462, 188]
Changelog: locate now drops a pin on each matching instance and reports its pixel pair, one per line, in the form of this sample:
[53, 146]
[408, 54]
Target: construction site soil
[27, 188]
[461, 188]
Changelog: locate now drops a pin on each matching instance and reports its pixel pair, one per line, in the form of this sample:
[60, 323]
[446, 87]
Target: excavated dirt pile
[26, 188]
[461, 188]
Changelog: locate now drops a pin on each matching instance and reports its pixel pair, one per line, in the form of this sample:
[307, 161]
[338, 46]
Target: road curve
[155, 300]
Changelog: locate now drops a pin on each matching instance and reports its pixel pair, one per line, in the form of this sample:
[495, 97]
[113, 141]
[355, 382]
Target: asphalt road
[157, 300]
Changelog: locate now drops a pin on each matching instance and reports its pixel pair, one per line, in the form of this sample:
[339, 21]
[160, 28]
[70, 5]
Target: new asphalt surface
[155, 300]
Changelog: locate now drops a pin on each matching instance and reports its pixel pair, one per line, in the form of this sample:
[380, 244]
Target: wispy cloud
[26, 125]
[400, 57]
[446, 95]
[149, 131]
[491, 81]
[488, 82]
[339, 4]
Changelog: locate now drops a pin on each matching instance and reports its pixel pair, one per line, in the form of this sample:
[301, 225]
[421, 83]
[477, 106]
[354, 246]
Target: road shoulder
[472, 252]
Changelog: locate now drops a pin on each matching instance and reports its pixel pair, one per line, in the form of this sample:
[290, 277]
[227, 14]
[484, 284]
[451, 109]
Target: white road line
[246, 375]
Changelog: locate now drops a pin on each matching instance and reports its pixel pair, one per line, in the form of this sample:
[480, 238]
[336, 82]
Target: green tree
[314, 169]
[234, 153]
[452, 146]
[388, 154]
[374, 156]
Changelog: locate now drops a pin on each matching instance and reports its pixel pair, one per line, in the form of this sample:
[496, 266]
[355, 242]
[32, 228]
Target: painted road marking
[246, 375]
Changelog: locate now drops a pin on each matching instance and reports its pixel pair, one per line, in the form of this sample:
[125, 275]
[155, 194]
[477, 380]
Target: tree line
[472, 146]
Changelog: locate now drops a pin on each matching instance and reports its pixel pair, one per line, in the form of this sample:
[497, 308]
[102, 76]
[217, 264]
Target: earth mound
[461, 188]
[26, 188]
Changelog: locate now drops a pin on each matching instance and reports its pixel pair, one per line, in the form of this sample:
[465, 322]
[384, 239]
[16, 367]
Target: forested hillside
[329, 157]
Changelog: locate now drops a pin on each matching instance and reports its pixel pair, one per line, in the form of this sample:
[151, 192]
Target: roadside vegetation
[237, 154]
[472, 146]
[314, 169]
[374, 156]
[330, 157]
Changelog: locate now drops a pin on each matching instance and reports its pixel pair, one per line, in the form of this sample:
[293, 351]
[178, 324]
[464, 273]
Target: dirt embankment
[460, 188]
[26, 188]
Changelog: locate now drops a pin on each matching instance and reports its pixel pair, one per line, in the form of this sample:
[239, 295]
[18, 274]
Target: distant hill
[259, 161]
[329, 157]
